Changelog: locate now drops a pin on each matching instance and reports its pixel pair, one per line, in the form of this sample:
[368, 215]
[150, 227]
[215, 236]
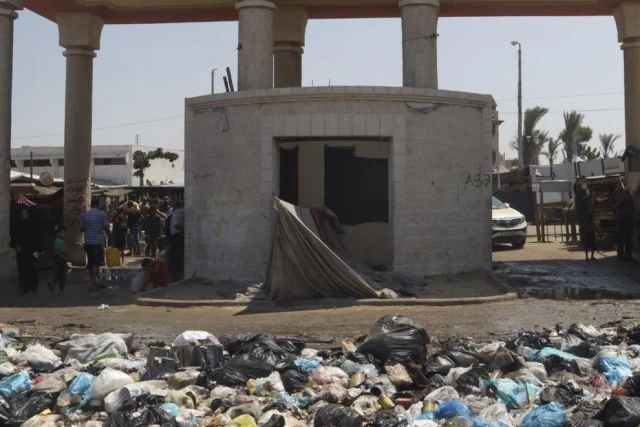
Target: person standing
[120, 231]
[176, 241]
[153, 229]
[94, 225]
[25, 239]
[60, 258]
[626, 225]
[134, 221]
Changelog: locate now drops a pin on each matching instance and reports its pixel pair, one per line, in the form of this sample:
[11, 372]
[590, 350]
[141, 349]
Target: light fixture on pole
[520, 142]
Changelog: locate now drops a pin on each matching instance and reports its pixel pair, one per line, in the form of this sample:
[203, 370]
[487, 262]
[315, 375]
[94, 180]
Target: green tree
[606, 143]
[530, 135]
[553, 147]
[142, 161]
[575, 135]
[540, 141]
[588, 153]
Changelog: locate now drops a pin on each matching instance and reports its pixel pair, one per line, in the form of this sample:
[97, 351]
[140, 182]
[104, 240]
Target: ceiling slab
[169, 11]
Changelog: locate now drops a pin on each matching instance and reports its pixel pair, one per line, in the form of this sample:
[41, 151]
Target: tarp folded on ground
[301, 266]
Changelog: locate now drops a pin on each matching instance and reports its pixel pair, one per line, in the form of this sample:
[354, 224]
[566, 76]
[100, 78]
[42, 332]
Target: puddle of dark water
[572, 292]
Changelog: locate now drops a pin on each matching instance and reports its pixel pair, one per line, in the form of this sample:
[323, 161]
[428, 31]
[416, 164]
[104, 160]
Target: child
[156, 273]
[120, 231]
[59, 255]
[588, 235]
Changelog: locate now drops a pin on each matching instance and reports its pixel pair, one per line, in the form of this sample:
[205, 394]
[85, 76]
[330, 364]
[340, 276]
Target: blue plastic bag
[16, 385]
[453, 408]
[513, 393]
[171, 408]
[307, 366]
[551, 415]
[301, 402]
[615, 369]
[540, 355]
[81, 385]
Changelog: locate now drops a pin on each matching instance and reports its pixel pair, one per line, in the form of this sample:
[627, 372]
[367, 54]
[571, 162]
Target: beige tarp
[301, 266]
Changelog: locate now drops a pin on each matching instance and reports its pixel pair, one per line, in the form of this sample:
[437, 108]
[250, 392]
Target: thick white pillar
[80, 35]
[420, 43]
[8, 270]
[288, 45]
[255, 44]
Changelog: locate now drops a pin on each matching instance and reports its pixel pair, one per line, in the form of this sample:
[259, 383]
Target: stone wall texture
[440, 166]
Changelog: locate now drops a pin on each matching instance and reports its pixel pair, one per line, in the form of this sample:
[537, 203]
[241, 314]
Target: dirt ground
[55, 315]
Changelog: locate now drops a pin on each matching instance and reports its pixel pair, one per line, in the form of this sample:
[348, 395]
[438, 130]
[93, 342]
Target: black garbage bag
[270, 352]
[275, 421]
[436, 381]
[386, 418]
[559, 393]
[239, 370]
[337, 416]
[394, 322]
[16, 410]
[507, 361]
[633, 385]
[587, 423]
[621, 411]
[471, 380]
[439, 364]
[461, 359]
[556, 363]
[231, 342]
[140, 411]
[404, 345]
[534, 340]
[292, 345]
[576, 346]
[294, 381]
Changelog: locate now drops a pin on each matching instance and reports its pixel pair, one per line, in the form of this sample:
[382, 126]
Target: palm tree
[606, 142]
[530, 140]
[540, 140]
[574, 134]
[553, 146]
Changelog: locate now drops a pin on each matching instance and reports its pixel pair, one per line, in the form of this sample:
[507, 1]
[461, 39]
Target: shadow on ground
[76, 293]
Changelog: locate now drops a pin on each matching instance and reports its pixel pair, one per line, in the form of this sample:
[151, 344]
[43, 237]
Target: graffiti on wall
[478, 180]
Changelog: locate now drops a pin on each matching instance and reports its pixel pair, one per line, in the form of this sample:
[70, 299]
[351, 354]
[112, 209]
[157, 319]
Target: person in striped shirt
[94, 225]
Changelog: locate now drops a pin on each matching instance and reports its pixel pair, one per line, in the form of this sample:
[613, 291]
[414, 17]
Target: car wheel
[520, 244]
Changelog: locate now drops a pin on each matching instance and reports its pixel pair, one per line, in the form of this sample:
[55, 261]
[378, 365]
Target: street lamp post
[520, 142]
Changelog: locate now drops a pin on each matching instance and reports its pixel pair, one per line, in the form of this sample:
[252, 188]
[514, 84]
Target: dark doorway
[289, 175]
[356, 188]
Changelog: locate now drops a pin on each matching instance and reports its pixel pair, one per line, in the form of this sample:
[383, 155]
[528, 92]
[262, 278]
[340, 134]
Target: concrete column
[80, 35]
[255, 44]
[290, 26]
[420, 43]
[627, 16]
[8, 271]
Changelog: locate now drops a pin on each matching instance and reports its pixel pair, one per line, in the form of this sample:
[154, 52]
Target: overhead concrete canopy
[167, 11]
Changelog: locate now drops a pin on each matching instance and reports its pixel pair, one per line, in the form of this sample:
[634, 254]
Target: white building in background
[110, 164]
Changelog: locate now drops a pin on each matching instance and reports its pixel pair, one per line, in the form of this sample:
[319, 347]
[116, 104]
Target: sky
[143, 73]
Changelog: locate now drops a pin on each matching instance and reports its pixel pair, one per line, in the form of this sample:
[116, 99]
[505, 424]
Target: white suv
[509, 225]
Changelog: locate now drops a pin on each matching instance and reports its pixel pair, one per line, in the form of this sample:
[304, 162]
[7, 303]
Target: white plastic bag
[330, 375]
[496, 413]
[137, 282]
[85, 347]
[109, 380]
[39, 357]
[195, 337]
[272, 383]
[443, 394]
[116, 398]
[7, 369]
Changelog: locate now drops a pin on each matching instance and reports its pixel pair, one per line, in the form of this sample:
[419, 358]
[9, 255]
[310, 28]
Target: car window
[497, 204]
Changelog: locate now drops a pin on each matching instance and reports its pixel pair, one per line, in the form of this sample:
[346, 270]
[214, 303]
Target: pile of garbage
[393, 377]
